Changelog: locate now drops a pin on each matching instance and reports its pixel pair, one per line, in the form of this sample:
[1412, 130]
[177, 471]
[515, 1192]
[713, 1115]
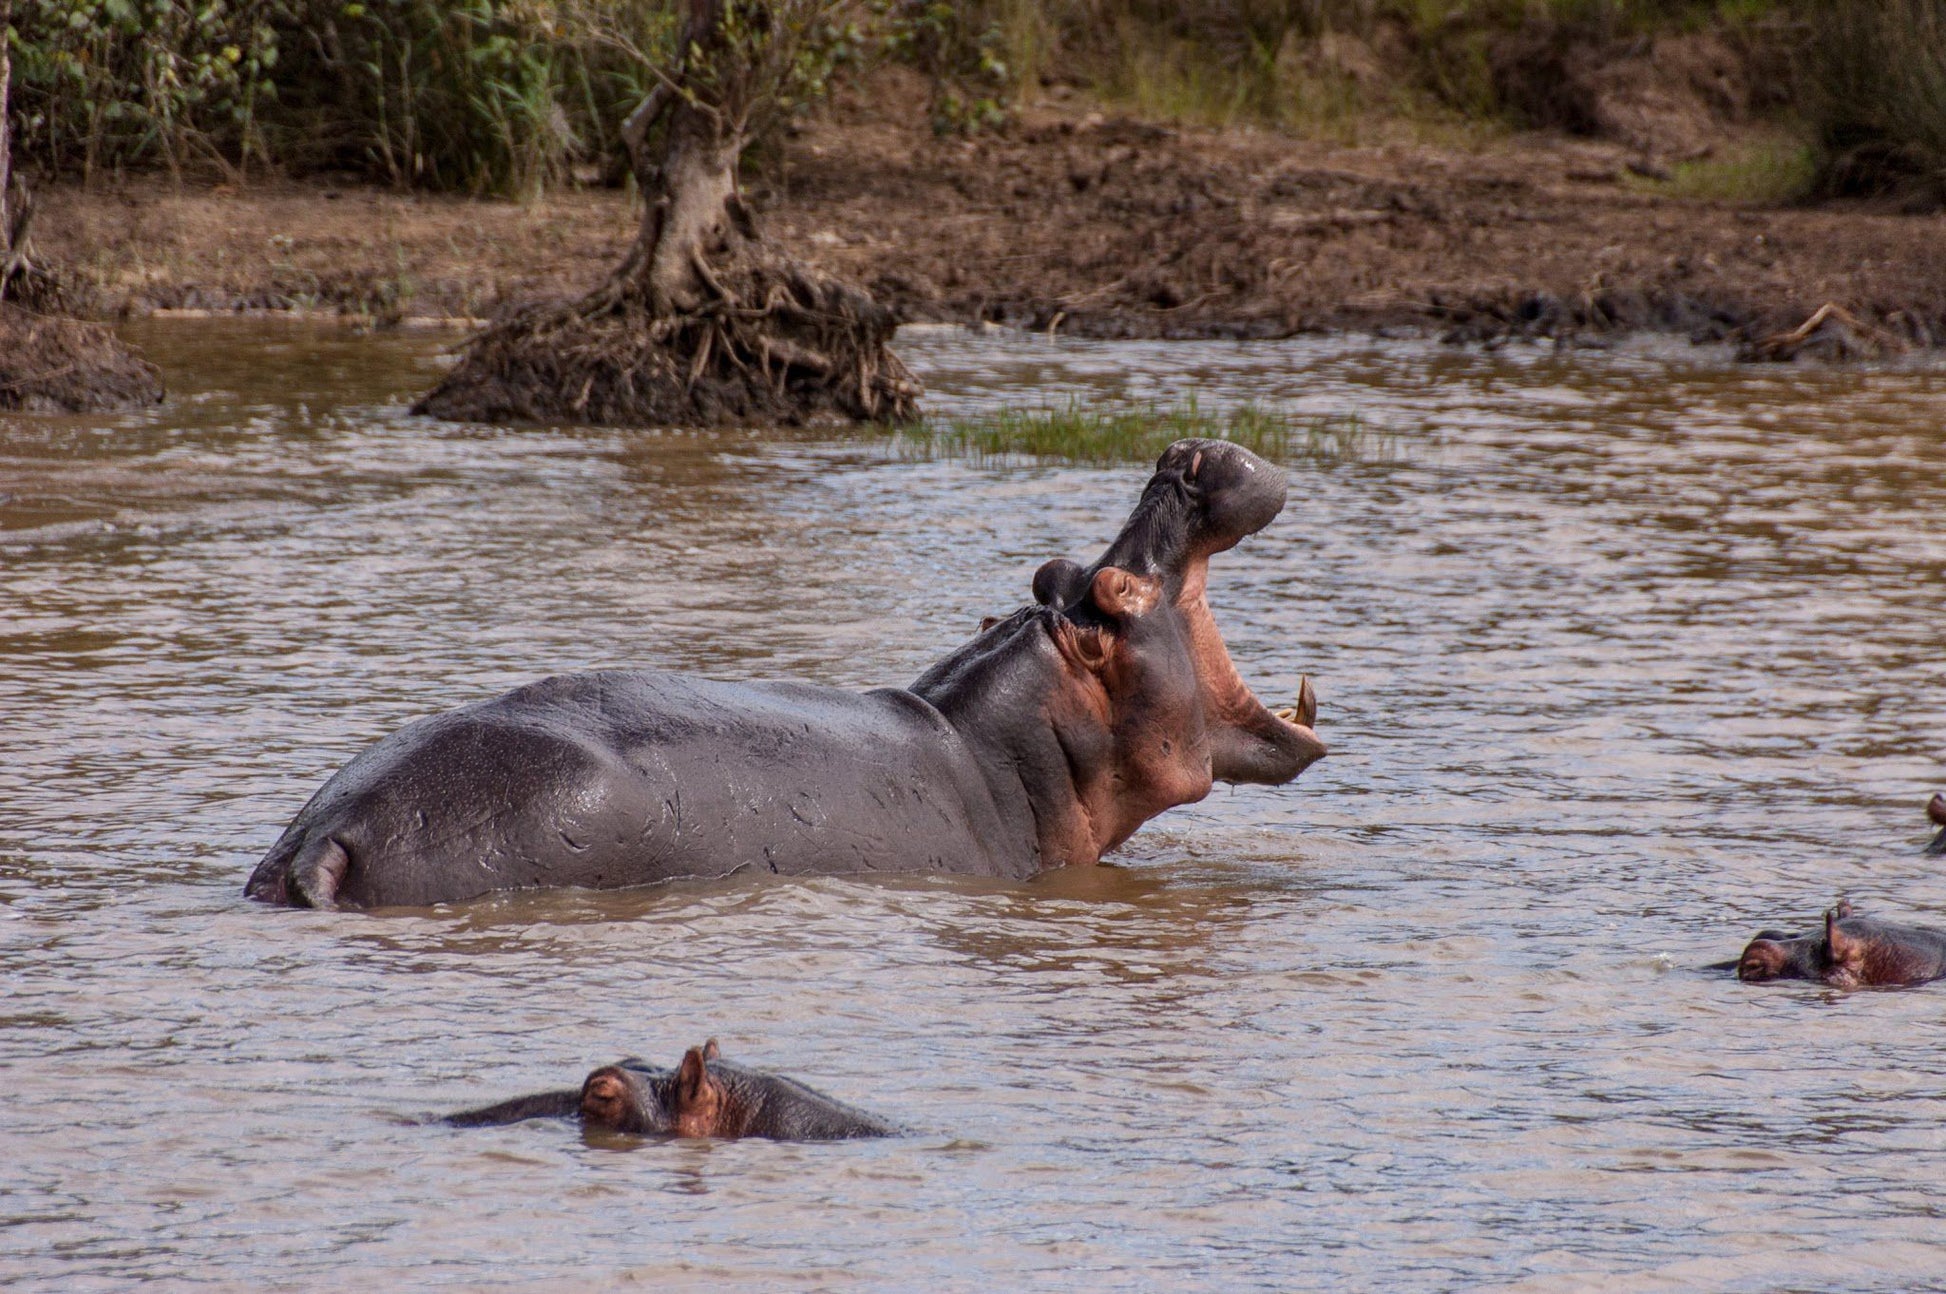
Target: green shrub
[479, 95]
[965, 51]
[108, 82]
[1875, 93]
[503, 95]
[483, 95]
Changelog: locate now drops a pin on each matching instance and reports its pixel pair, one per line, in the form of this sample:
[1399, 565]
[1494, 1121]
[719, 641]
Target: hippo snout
[1239, 492]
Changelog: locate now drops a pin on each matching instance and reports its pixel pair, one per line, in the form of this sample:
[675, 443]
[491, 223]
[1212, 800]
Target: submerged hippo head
[708, 1096]
[630, 1098]
[705, 1096]
[1121, 662]
[1850, 952]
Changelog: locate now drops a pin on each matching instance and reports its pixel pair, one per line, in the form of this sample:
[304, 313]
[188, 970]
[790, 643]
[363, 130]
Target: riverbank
[1077, 222]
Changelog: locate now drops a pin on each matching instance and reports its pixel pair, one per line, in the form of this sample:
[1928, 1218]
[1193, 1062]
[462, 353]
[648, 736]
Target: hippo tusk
[1306, 709]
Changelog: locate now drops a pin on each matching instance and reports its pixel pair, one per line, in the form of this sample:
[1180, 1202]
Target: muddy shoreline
[1073, 223]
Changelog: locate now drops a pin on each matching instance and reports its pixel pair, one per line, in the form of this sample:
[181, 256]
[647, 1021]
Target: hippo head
[631, 1098]
[1835, 955]
[1130, 672]
[1205, 497]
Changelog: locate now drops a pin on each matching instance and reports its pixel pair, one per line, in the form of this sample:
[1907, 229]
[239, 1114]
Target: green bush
[488, 96]
[1875, 93]
[482, 95]
[503, 96]
[108, 82]
[479, 95]
[964, 50]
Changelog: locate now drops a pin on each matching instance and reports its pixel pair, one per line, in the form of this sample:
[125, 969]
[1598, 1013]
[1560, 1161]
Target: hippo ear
[1843, 909]
[1841, 948]
[711, 1051]
[1058, 583]
[1120, 595]
[691, 1077]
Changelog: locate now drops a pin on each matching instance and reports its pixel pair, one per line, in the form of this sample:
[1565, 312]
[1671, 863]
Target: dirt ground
[49, 363]
[1089, 225]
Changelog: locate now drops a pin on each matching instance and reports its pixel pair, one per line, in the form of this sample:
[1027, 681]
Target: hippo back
[622, 778]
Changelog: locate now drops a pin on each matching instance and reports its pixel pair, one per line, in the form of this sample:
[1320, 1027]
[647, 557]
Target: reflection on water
[1620, 658]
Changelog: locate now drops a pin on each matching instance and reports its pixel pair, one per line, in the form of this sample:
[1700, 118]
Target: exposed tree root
[50, 363]
[1831, 332]
[775, 342]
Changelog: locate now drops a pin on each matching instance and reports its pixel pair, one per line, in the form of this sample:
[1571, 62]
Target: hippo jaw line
[1249, 742]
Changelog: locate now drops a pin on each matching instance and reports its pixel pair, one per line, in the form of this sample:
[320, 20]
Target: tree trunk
[6, 148]
[704, 321]
[20, 279]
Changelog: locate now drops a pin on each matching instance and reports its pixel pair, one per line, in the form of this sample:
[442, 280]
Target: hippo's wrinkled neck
[996, 692]
[1155, 540]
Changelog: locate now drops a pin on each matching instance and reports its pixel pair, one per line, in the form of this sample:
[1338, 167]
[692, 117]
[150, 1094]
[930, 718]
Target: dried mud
[49, 363]
[1108, 228]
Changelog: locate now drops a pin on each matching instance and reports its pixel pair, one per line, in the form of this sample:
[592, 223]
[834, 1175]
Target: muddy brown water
[1620, 656]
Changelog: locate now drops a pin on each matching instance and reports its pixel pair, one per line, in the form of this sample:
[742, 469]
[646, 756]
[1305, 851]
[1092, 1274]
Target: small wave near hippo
[1044, 742]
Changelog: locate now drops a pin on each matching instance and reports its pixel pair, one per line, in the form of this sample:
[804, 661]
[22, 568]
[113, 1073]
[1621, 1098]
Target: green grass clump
[1768, 173]
[1083, 433]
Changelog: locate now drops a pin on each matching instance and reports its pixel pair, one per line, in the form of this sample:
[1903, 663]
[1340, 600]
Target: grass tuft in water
[1078, 432]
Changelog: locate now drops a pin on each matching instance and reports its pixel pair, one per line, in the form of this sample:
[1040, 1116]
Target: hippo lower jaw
[1267, 749]
[1249, 742]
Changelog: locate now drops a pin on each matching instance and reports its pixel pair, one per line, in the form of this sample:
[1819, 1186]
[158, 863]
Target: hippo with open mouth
[1043, 742]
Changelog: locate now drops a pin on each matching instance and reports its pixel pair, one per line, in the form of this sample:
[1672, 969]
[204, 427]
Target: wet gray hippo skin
[705, 1096]
[1936, 811]
[1043, 742]
[1850, 952]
